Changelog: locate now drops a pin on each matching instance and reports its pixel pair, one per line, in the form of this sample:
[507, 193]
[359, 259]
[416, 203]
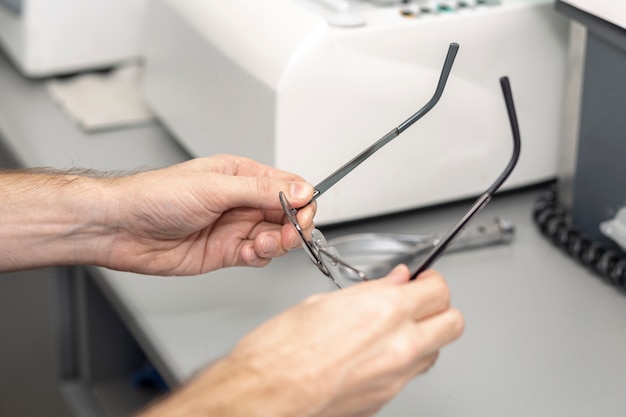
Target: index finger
[424, 297]
[247, 167]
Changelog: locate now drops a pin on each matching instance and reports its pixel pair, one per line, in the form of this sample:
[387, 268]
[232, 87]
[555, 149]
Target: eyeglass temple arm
[332, 179]
[487, 195]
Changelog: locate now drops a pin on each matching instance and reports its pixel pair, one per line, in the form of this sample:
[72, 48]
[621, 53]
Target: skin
[186, 219]
[342, 353]
[319, 359]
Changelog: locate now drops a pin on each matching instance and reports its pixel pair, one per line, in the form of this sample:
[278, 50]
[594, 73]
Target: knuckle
[380, 313]
[456, 322]
[440, 291]
[429, 362]
[264, 185]
[443, 293]
[392, 305]
[405, 350]
[432, 299]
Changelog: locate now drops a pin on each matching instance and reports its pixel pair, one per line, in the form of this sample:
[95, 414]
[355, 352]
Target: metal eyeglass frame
[315, 246]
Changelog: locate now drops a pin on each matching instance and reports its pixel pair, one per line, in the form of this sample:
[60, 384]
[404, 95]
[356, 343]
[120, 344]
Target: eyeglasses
[328, 259]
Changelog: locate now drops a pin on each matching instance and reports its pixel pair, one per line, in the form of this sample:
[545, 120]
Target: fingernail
[295, 243]
[251, 257]
[300, 190]
[400, 273]
[269, 245]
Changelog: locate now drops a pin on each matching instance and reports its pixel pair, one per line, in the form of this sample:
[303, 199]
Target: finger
[249, 256]
[305, 216]
[285, 235]
[269, 244]
[273, 239]
[246, 167]
[432, 295]
[290, 238]
[260, 192]
[424, 364]
[399, 275]
[437, 331]
[419, 298]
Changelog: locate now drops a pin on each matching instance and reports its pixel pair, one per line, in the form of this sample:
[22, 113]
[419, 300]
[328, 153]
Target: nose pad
[334, 253]
[318, 240]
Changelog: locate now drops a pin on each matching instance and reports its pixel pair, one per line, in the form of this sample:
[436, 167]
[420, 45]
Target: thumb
[262, 192]
[399, 275]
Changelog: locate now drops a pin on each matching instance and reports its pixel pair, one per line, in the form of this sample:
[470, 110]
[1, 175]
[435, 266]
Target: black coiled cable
[554, 223]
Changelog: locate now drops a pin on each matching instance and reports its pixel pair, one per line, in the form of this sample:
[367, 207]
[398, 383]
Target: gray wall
[29, 339]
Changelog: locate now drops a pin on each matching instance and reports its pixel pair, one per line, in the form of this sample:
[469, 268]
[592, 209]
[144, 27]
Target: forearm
[229, 389]
[49, 218]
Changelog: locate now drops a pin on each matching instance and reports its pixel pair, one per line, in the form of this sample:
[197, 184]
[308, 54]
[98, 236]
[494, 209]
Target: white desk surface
[543, 337]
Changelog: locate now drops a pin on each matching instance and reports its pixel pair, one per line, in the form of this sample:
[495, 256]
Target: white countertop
[544, 337]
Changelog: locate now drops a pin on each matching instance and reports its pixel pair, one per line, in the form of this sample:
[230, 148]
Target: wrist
[52, 219]
[231, 388]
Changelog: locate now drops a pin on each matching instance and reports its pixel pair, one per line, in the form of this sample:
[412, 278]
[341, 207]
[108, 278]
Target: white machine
[610, 10]
[49, 37]
[307, 84]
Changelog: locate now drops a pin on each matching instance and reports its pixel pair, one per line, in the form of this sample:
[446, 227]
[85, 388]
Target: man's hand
[341, 354]
[205, 214]
[190, 218]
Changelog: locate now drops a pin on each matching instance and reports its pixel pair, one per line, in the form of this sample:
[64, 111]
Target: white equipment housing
[50, 37]
[305, 85]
